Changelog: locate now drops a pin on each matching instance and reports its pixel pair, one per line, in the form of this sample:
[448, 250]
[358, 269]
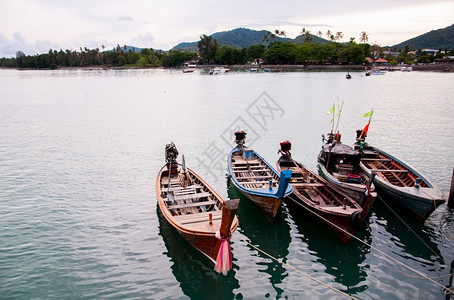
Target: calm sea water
[80, 150]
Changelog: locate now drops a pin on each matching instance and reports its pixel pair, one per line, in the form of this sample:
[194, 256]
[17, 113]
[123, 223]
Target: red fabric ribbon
[224, 258]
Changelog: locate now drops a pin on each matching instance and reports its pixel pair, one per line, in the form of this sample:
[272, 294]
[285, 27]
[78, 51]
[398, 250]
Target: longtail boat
[256, 179]
[324, 201]
[196, 211]
[399, 184]
[339, 165]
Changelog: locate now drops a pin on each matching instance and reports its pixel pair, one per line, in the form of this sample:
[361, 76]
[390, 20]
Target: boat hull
[340, 222]
[267, 198]
[323, 201]
[198, 231]
[417, 202]
[269, 205]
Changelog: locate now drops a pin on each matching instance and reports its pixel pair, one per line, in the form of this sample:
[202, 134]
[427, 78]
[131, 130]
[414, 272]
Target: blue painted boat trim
[273, 193]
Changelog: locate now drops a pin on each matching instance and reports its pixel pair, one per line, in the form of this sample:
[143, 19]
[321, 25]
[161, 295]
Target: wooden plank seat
[256, 177]
[261, 168]
[386, 170]
[237, 163]
[187, 197]
[376, 159]
[192, 204]
[193, 196]
[307, 184]
[252, 170]
[198, 217]
[184, 191]
[259, 182]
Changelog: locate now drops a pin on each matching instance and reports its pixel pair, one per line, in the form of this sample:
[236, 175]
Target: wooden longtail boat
[339, 165]
[324, 201]
[256, 179]
[196, 211]
[398, 184]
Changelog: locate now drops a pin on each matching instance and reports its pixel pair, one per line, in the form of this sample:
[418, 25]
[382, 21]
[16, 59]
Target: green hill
[244, 38]
[440, 38]
[315, 39]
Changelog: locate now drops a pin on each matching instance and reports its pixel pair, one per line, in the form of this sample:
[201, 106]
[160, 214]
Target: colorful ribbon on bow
[224, 259]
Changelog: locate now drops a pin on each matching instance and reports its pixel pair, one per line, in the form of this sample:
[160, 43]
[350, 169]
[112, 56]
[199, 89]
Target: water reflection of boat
[256, 179]
[272, 238]
[195, 210]
[414, 239]
[195, 278]
[343, 261]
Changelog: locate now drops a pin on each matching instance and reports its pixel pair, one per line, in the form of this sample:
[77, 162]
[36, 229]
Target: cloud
[125, 19]
[9, 47]
[145, 40]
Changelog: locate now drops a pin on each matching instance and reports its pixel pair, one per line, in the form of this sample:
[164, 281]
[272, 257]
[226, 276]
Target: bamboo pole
[451, 193]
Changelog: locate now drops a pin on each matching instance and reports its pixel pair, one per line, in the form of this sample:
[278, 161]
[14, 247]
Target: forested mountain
[237, 38]
[435, 39]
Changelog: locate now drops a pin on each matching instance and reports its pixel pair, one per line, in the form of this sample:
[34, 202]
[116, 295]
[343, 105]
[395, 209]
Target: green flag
[331, 110]
[341, 104]
[369, 114]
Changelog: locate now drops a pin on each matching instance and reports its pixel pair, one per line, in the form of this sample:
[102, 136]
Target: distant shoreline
[316, 67]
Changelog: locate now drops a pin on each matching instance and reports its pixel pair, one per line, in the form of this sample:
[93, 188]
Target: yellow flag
[369, 114]
[331, 110]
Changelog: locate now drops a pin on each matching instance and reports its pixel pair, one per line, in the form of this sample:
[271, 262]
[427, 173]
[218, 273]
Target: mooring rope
[446, 290]
[408, 275]
[442, 233]
[301, 272]
[400, 219]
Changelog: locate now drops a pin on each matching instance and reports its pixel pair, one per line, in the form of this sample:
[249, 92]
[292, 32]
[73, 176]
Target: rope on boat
[445, 289]
[301, 272]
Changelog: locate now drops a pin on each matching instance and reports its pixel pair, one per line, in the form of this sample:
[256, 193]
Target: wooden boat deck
[190, 204]
[253, 173]
[391, 171]
[311, 187]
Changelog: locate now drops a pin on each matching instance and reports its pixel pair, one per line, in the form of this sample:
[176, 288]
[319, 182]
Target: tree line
[210, 52]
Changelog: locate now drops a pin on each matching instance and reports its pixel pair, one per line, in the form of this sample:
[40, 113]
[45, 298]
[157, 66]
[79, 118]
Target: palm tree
[364, 37]
[329, 34]
[339, 35]
[319, 33]
[280, 33]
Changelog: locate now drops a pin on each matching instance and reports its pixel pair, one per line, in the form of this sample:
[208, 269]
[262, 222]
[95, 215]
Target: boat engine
[171, 155]
[240, 136]
[286, 146]
[360, 136]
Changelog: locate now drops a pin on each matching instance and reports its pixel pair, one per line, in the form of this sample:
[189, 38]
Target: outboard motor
[171, 153]
[286, 146]
[240, 136]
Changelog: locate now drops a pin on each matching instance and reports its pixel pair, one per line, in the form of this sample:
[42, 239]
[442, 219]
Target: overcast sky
[35, 26]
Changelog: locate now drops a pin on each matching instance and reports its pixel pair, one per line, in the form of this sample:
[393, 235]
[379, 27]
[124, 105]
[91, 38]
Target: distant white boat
[377, 72]
[406, 69]
[218, 70]
[253, 69]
